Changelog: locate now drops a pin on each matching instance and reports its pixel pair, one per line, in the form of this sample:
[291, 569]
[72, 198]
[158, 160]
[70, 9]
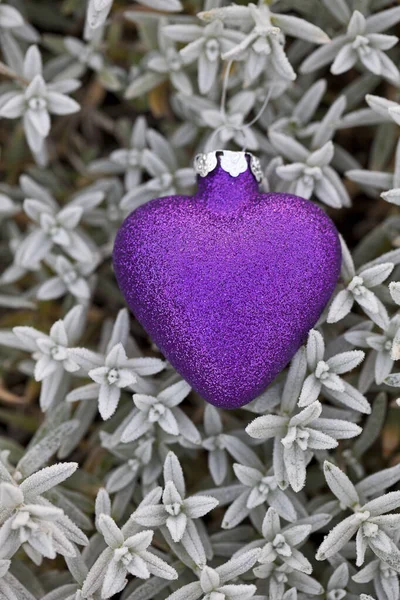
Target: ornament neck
[227, 180]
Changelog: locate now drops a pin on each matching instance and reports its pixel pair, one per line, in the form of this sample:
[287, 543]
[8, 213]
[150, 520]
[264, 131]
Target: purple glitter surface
[228, 282]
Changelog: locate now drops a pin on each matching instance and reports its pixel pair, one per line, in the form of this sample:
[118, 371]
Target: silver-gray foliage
[116, 480]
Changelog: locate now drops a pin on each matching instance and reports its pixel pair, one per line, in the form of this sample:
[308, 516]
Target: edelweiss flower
[176, 512]
[206, 45]
[28, 519]
[111, 374]
[373, 527]
[124, 555]
[280, 544]
[367, 48]
[38, 101]
[310, 172]
[358, 286]
[50, 352]
[213, 583]
[325, 374]
[362, 43]
[163, 411]
[264, 42]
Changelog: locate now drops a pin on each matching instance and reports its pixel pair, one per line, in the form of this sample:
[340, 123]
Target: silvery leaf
[340, 485]
[173, 472]
[383, 504]
[338, 537]
[38, 483]
[346, 361]
[267, 427]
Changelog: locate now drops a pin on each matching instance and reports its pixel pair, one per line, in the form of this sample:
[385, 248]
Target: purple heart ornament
[228, 282]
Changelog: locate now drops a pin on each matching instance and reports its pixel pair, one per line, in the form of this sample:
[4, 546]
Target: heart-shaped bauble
[228, 282]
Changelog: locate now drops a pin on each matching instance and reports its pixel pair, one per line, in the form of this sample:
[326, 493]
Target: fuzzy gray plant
[116, 479]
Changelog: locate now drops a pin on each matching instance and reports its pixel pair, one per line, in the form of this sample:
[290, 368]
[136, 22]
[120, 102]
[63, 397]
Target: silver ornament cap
[231, 162]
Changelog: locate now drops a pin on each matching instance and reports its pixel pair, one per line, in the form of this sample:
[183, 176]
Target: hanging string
[240, 128]
[258, 115]
[222, 108]
[225, 88]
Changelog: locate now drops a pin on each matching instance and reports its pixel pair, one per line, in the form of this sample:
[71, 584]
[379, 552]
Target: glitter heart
[228, 282]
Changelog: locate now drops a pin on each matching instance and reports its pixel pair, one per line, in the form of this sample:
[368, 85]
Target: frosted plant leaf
[123, 556]
[176, 512]
[368, 487]
[142, 81]
[363, 43]
[164, 5]
[10, 587]
[214, 583]
[13, 272]
[324, 131]
[44, 445]
[245, 17]
[369, 522]
[309, 172]
[162, 410]
[394, 288]
[165, 152]
[297, 437]
[325, 375]
[8, 207]
[392, 196]
[11, 301]
[338, 582]
[205, 46]
[50, 352]
[371, 428]
[380, 180]
[10, 17]
[372, 179]
[14, 30]
[217, 455]
[111, 374]
[357, 288]
[97, 12]
[37, 102]
[388, 109]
